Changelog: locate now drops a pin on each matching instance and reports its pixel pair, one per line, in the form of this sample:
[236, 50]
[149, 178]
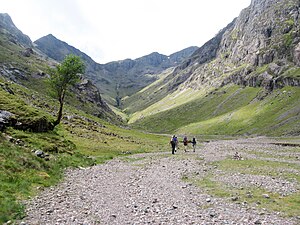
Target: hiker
[173, 144]
[185, 143]
[194, 142]
[176, 143]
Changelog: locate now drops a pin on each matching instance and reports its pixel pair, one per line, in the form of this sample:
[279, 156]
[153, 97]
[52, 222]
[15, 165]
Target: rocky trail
[160, 188]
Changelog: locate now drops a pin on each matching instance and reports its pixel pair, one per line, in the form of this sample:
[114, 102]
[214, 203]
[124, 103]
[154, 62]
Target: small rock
[39, 153]
[155, 200]
[235, 198]
[212, 214]
[146, 210]
[266, 196]
[175, 207]
[257, 222]
[249, 195]
[208, 200]
[50, 211]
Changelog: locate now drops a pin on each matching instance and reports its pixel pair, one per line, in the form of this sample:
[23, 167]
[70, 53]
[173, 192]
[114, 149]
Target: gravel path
[149, 189]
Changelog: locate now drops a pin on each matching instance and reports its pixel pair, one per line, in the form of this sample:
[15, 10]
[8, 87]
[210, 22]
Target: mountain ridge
[8, 27]
[116, 79]
[258, 51]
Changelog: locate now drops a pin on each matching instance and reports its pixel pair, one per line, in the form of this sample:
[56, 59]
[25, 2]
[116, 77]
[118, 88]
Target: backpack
[185, 140]
[175, 139]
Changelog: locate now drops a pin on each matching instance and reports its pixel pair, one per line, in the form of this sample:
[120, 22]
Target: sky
[111, 30]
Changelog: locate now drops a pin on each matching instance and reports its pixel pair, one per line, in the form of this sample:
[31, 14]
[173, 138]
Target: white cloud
[116, 29]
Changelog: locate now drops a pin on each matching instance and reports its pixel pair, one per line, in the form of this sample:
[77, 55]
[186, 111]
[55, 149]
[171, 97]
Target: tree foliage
[64, 76]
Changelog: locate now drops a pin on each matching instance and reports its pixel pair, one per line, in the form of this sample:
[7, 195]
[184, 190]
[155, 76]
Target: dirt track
[152, 189]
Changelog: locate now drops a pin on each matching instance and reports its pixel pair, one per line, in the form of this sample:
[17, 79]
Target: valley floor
[210, 186]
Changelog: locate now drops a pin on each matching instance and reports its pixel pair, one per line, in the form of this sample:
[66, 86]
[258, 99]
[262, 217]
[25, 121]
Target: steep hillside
[120, 78]
[21, 63]
[32, 157]
[172, 78]
[12, 32]
[259, 49]
[32, 154]
[230, 110]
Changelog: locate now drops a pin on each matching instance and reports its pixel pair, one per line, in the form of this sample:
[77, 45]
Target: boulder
[297, 54]
[35, 125]
[39, 153]
[6, 119]
[27, 52]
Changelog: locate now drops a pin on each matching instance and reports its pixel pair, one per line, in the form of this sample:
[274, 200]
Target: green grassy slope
[11, 55]
[80, 140]
[277, 114]
[231, 110]
[148, 95]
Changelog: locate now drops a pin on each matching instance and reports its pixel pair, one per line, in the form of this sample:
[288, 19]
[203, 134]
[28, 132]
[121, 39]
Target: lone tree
[64, 76]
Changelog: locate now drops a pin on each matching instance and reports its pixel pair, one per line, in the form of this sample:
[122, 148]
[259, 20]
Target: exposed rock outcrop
[259, 48]
[89, 93]
[297, 55]
[6, 119]
[40, 124]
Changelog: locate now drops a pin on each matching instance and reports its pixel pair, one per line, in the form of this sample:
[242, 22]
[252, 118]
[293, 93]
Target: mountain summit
[57, 49]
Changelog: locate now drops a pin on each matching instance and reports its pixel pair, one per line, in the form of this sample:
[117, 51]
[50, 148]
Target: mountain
[57, 50]
[258, 49]
[14, 35]
[119, 78]
[33, 156]
[22, 63]
[244, 80]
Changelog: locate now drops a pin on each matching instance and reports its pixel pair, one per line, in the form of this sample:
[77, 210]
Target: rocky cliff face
[259, 48]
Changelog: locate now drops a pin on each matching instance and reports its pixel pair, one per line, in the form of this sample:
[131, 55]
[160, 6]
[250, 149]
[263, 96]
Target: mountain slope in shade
[8, 28]
[56, 49]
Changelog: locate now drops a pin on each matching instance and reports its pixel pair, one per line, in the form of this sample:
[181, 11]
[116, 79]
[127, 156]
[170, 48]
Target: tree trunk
[59, 115]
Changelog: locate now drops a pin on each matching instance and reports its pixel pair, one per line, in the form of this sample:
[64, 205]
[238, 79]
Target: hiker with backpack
[194, 142]
[173, 144]
[176, 143]
[185, 143]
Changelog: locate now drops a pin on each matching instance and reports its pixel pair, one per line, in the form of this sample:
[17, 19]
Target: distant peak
[50, 36]
[5, 17]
